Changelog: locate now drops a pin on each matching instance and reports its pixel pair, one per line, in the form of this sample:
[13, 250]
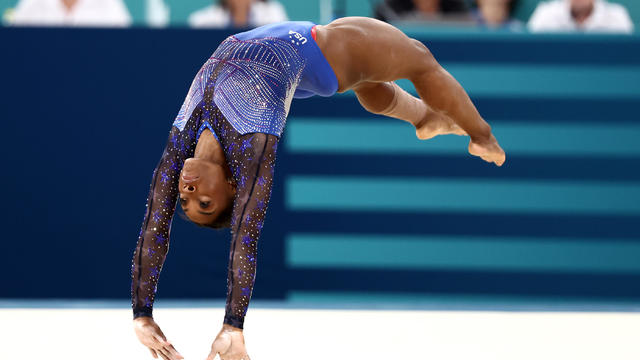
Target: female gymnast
[220, 156]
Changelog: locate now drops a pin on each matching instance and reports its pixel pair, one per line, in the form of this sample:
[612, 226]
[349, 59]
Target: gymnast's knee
[373, 98]
[425, 61]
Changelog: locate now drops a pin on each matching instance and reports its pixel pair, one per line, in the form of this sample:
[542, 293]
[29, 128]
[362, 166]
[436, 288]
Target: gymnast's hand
[488, 150]
[151, 336]
[229, 344]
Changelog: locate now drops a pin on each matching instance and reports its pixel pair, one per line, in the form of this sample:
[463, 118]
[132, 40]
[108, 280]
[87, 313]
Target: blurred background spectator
[497, 14]
[157, 13]
[238, 14]
[580, 15]
[71, 13]
[411, 13]
[421, 10]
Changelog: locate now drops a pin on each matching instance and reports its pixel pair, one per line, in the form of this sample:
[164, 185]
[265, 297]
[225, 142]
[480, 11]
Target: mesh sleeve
[153, 240]
[252, 161]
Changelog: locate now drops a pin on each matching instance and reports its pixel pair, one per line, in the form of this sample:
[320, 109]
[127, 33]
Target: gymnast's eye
[204, 204]
[183, 201]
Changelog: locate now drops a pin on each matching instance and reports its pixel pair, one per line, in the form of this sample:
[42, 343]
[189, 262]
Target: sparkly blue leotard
[264, 69]
[242, 94]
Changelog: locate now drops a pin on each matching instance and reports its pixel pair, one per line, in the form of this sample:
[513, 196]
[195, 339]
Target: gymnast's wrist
[142, 312]
[230, 328]
[233, 322]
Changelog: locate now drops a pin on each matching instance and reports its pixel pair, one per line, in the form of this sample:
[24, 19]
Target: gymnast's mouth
[187, 178]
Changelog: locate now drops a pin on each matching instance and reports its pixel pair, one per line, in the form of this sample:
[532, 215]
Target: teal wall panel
[308, 10]
[474, 302]
[7, 3]
[524, 9]
[548, 80]
[137, 9]
[390, 136]
[359, 7]
[469, 194]
[179, 10]
[517, 80]
[6, 6]
[455, 252]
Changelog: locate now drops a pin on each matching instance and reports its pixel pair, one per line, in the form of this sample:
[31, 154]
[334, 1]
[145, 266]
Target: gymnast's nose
[189, 182]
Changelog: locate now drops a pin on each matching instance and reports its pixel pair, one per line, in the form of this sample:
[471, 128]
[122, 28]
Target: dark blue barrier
[86, 114]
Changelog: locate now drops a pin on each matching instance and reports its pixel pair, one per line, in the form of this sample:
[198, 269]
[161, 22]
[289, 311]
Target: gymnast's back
[317, 77]
[257, 73]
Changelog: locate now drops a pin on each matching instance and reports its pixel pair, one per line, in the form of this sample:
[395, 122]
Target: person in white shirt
[238, 14]
[71, 13]
[580, 15]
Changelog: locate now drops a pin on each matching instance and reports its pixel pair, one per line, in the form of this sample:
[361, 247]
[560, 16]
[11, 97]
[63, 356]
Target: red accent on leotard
[313, 33]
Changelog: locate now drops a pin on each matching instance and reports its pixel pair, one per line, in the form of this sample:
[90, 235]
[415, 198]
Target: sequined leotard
[242, 95]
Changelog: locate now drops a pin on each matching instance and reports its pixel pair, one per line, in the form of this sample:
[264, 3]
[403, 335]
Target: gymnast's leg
[389, 99]
[443, 108]
[443, 93]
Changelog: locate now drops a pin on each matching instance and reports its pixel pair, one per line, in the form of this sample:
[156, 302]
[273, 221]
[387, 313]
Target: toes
[424, 134]
[459, 131]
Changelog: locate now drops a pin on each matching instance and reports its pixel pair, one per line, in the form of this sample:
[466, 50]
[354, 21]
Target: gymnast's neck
[209, 149]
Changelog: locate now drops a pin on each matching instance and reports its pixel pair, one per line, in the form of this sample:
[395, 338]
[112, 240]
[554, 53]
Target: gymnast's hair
[223, 220]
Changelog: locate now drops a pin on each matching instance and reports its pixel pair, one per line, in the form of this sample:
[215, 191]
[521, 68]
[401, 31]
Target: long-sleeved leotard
[251, 158]
[241, 95]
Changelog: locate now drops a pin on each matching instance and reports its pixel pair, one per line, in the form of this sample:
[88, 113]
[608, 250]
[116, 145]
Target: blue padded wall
[360, 207]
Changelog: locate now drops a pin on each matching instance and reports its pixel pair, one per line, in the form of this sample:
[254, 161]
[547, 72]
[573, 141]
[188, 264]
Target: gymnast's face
[205, 192]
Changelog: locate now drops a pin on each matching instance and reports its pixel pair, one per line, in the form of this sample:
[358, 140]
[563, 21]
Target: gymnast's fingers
[152, 342]
[159, 344]
[160, 338]
[172, 351]
[153, 353]
[163, 356]
[160, 341]
[163, 353]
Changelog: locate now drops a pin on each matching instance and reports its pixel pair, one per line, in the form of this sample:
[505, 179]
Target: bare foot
[434, 124]
[488, 150]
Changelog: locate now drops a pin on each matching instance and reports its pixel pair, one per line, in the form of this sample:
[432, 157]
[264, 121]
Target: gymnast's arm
[252, 162]
[153, 240]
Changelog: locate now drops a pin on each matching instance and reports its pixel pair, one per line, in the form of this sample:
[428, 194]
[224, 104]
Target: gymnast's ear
[233, 186]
